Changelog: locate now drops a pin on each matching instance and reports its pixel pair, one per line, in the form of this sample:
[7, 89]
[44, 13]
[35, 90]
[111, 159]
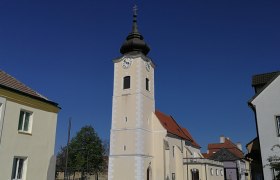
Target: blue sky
[205, 51]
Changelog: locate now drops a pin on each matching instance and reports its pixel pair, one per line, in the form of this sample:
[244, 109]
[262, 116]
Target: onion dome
[135, 41]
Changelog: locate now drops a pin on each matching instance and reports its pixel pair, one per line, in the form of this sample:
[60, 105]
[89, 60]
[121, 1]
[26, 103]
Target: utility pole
[66, 177]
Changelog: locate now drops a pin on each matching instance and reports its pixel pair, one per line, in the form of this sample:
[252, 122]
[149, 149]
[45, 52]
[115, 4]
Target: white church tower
[131, 146]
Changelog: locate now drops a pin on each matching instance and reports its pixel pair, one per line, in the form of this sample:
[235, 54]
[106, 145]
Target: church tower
[131, 146]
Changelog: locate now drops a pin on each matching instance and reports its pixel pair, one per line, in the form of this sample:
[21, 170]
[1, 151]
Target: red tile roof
[169, 123]
[226, 145]
[11, 83]
[194, 143]
[205, 155]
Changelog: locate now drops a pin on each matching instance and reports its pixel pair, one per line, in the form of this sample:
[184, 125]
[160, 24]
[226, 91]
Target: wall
[38, 146]
[267, 105]
[131, 138]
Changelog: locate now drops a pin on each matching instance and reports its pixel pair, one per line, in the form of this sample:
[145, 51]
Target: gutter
[253, 107]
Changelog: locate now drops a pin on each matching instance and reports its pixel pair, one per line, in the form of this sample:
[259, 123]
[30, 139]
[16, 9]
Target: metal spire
[135, 41]
[134, 26]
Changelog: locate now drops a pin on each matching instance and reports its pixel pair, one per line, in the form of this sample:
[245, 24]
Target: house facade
[146, 144]
[236, 167]
[266, 107]
[27, 132]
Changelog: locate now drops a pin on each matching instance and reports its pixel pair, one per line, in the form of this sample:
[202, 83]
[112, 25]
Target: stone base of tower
[130, 168]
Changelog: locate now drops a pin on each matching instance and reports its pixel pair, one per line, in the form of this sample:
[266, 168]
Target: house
[146, 144]
[27, 132]
[266, 107]
[236, 167]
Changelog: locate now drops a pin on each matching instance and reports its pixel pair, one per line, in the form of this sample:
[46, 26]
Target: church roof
[193, 142]
[170, 124]
[10, 83]
[134, 41]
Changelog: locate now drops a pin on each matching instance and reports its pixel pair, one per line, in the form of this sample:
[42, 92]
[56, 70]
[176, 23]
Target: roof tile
[171, 125]
[215, 147]
[8, 81]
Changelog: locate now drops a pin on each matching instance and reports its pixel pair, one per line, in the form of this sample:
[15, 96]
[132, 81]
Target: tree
[274, 162]
[85, 153]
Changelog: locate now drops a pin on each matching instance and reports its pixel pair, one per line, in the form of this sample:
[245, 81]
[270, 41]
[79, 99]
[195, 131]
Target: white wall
[267, 105]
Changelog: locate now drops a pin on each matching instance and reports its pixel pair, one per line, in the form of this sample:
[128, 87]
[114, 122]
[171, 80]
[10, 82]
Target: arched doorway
[195, 174]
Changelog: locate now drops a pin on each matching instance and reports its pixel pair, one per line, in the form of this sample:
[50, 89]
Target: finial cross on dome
[135, 9]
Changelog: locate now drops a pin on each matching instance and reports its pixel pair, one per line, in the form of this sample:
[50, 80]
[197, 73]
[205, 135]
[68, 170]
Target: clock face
[126, 63]
[148, 66]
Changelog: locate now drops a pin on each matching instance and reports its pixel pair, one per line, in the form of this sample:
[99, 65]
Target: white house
[27, 132]
[266, 105]
[146, 144]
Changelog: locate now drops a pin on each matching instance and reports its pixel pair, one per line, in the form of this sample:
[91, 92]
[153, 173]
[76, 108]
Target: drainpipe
[187, 170]
[205, 171]
[253, 107]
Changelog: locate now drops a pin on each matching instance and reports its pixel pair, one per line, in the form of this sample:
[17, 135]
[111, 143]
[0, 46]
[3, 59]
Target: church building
[146, 144]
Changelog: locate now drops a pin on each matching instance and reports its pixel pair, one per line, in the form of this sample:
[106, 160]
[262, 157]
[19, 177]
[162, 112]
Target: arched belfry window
[147, 84]
[126, 82]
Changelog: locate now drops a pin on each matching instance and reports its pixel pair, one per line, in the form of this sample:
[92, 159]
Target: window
[278, 125]
[18, 168]
[275, 173]
[2, 109]
[221, 172]
[149, 173]
[24, 121]
[147, 84]
[195, 174]
[126, 82]
[173, 151]
[212, 171]
[173, 176]
[217, 172]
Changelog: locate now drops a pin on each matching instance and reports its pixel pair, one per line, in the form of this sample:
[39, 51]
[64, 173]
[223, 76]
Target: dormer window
[126, 82]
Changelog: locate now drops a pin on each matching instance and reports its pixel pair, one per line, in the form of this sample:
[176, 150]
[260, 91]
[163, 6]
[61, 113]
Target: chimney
[239, 146]
[222, 139]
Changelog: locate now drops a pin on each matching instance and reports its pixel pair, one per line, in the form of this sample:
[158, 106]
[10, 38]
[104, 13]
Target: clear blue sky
[205, 51]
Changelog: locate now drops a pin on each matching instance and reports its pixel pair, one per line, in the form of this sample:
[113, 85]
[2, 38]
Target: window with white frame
[2, 108]
[24, 124]
[278, 125]
[212, 171]
[19, 168]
